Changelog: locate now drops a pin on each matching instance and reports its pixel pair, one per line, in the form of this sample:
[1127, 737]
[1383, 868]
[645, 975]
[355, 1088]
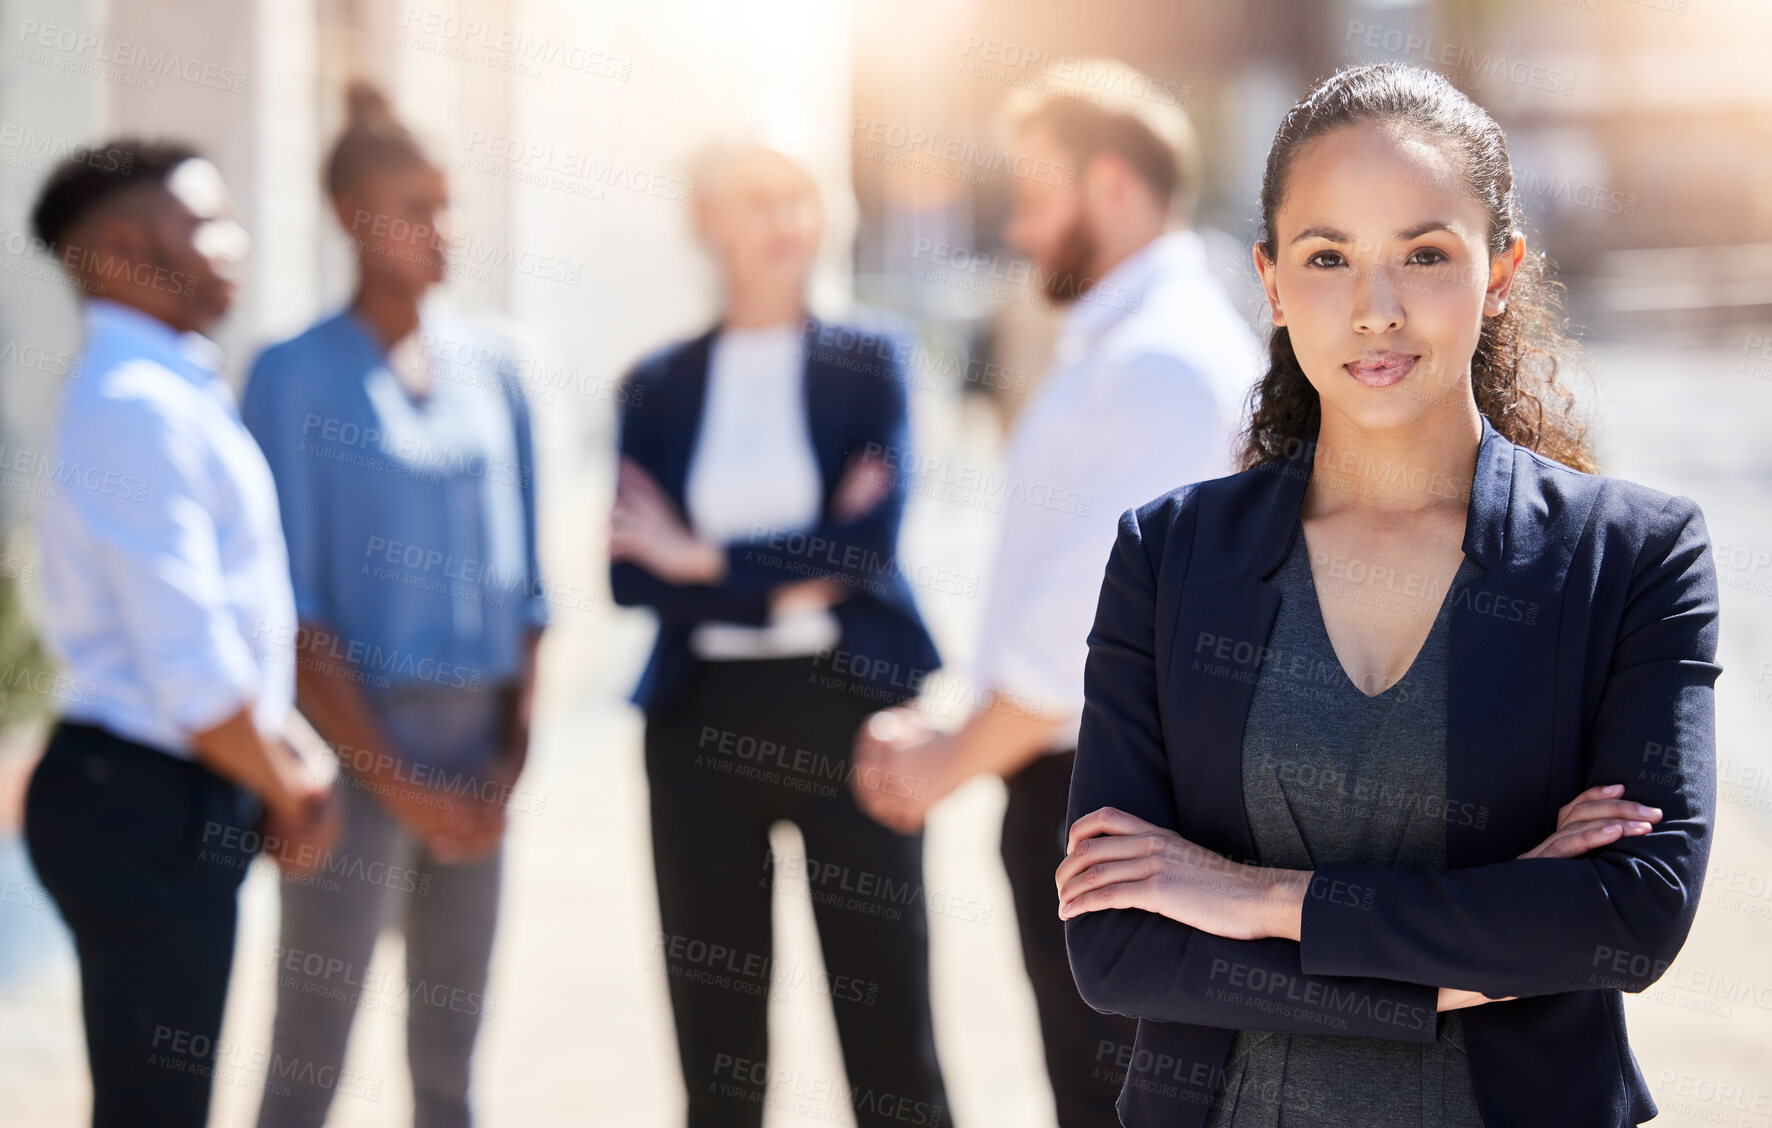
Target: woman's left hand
[1118, 861]
[646, 529]
[1599, 816]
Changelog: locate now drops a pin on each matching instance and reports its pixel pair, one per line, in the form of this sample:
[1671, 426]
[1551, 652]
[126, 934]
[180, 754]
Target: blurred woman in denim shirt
[400, 443]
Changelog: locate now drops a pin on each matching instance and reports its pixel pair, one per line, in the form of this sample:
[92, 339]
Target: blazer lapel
[1501, 704]
[824, 414]
[687, 399]
[1226, 617]
[688, 403]
[1228, 622]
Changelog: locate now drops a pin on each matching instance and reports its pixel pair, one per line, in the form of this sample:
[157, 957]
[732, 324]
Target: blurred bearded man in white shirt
[1145, 393]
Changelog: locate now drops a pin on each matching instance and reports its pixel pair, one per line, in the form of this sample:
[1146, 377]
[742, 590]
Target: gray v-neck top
[1332, 775]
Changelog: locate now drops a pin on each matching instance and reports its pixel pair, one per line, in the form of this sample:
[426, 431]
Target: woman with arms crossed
[755, 515]
[1397, 759]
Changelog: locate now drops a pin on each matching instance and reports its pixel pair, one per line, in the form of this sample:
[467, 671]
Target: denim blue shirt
[410, 523]
[168, 596]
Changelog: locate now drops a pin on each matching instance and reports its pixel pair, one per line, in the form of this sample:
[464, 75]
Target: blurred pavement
[578, 1031]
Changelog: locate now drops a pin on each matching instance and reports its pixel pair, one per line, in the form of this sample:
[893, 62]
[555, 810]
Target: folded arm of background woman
[658, 562]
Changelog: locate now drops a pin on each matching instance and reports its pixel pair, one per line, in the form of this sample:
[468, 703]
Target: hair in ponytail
[1518, 367]
[373, 141]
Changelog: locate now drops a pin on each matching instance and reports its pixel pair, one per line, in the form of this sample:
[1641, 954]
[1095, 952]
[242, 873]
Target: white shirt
[167, 579]
[754, 465]
[1146, 394]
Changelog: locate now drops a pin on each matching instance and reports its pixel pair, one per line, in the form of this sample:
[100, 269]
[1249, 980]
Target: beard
[1067, 279]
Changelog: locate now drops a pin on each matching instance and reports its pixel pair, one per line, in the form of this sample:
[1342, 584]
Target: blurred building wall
[43, 109]
[568, 132]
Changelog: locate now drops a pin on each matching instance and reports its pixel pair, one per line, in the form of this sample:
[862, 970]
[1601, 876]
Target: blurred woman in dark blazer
[756, 514]
[1397, 760]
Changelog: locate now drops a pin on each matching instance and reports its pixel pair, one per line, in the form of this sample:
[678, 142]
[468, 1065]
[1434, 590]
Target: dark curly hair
[1522, 353]
[91, 178]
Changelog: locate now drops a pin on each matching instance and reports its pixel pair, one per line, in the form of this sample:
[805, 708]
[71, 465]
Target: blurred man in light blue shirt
[164, 561]
[168, 592]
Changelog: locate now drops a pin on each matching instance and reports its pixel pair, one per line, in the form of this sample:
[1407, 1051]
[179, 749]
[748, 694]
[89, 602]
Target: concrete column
[236, 80]
[52, 97]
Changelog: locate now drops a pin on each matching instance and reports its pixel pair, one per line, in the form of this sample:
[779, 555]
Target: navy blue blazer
[1583, 653]
[855, 402]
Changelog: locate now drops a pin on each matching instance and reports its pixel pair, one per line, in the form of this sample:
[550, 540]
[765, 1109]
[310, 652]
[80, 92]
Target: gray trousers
[377, 875]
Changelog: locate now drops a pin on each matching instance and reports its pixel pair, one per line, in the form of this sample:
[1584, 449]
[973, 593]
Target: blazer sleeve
[643, 437]
[1617, 916]
[1138, 963]
[860, 554]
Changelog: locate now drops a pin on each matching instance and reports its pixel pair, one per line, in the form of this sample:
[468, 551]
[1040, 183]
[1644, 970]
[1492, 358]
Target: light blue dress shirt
[411, 523]
[168, 588]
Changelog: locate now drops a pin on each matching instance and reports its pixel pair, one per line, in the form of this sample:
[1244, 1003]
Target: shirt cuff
[535, 611]
[1027, 687]
[214, 690]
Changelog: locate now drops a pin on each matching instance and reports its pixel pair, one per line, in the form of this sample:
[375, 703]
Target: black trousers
[143, 854]
[744, 744]
[1084, 1047]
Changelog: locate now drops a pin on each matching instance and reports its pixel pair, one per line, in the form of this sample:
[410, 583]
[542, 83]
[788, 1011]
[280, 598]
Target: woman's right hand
[484, 824]
[1452, 999]
[805, 596]
[444, 822]
[1597, 817]
[867, 481]
[646, 528]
